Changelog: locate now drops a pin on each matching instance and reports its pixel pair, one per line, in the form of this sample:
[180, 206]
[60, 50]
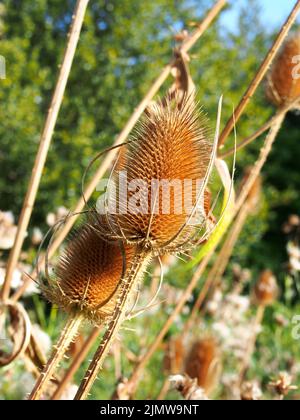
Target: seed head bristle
[283, 80]
[171, 144]
[266, 288]
[203, 363]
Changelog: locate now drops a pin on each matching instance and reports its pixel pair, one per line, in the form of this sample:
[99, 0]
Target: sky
[273, 11]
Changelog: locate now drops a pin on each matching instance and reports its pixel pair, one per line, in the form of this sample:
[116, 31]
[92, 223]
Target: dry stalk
[118, 317]
[45, 141]
[68, 334]
[260, 74]
[80, 357]
[251, 345]
[219, 267]
[260, 131]
[186, 46]
[265, 151]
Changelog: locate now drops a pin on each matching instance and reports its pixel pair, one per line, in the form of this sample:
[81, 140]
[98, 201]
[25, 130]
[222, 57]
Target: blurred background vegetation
[122, 48]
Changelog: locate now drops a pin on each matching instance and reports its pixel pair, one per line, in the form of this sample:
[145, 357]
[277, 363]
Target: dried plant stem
[44, 144]
[186, 46]
[133, 380]
[222, 260]
[219, 266]
[118, 317]
[68, 334]
[251, 345]
[80, 357]
[260, 74]
[164, 390]
[260, 131]
[265, 151]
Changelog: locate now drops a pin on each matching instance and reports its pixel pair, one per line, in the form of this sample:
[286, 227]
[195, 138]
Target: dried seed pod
[266, 289]
[284, 77]
[203, 363]
[171, 149]
[88, 274]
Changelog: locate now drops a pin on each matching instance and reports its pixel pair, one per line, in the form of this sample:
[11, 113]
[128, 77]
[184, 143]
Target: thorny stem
[260, 74]
[68, 334]
[251, 345]
[186, 46]
[119, 315]
[45, 141]
[133, 381]
[80, 357]
[265, 151]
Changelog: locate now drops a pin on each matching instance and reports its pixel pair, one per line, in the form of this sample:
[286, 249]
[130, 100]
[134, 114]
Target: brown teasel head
[171, 147]
[203, 363]
[284, 77]
[88, 274]
[266, 289]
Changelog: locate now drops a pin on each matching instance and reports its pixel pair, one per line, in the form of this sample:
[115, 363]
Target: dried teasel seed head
[284, 77]
[203, 363]
[171, 146]
[88, 274]
[266, 289]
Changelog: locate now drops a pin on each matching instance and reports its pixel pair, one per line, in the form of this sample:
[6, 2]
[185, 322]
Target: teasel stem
[260, 131]
[119, 315]
[265, 151]
[222, 260]
[185, 47]
[68, 334]
[164, 390]
[135, 376]
[219, 266]
[260, 74]
[78, 360]
[251, 345]
[45, 141]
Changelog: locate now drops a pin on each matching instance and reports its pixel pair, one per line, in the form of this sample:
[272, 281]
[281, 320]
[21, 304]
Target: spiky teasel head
[203, 363]
[266, 289]
[284, 76]
[88, 275]
[164, 171]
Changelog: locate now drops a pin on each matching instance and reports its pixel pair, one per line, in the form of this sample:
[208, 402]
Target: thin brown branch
[219, 266]
[45, 141]
[259, 75]
[90, 189]
[261, 130]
